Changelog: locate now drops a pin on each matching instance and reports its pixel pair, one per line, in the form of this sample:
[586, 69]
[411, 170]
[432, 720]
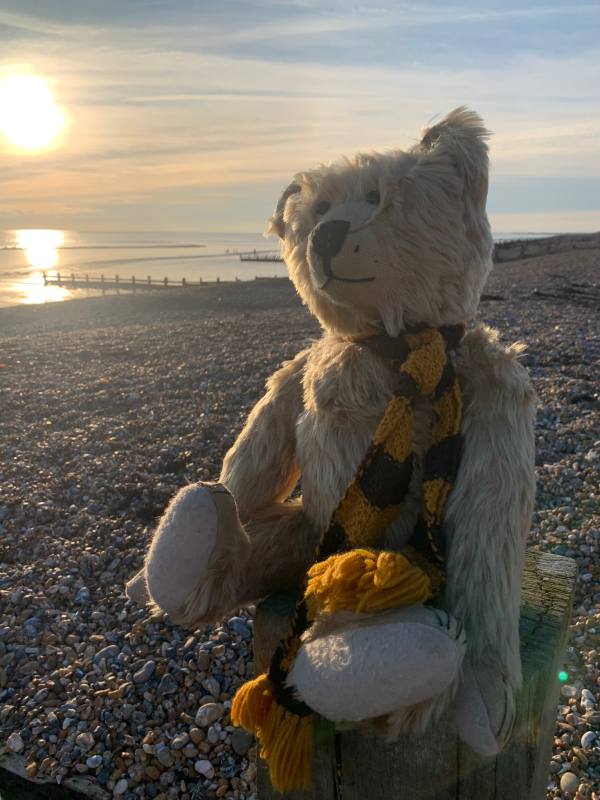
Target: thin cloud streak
[402, 17]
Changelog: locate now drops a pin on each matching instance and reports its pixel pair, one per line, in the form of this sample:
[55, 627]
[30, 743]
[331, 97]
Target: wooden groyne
[116, 282]
[261, 256]
[518, 249]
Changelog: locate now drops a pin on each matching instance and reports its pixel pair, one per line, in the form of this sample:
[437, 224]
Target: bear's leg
[352, 668]
[203, 563]
[485, 709]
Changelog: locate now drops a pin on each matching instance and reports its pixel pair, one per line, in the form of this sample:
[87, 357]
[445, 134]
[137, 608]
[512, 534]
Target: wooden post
[437, 766]
[149, 279]
[183, 282]
[102, 282]
[166, 281]
[73, 279]
[133, 282]
[58, 280]
[45, 278]
[117, 283]
[87, 280]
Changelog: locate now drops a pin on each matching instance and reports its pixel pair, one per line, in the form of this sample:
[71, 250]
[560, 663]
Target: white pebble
[587, 740]
[205, 768]
[569, 782]
[208, 713]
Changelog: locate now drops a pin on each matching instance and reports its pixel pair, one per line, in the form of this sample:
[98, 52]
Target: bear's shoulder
[342, 374]
[491, 373]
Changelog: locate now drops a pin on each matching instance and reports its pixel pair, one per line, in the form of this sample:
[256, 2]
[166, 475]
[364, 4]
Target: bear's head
[395, 239]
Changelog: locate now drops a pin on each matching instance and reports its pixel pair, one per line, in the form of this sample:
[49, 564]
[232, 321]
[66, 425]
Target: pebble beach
[108, 406]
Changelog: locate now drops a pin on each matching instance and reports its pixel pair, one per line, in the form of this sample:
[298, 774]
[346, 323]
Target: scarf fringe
[286, 739]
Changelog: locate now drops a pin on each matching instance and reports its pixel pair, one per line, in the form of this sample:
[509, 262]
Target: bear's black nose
[328, 237]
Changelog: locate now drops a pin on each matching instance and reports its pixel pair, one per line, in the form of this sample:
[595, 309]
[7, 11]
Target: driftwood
[82, 784]
[355, 766]
[569, 291]
[488, 297]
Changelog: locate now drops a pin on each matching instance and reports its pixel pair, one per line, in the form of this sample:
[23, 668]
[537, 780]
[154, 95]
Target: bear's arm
[260, 468]
[489, 511]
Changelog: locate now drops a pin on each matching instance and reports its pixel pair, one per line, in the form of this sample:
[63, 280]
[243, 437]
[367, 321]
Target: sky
[192, 116]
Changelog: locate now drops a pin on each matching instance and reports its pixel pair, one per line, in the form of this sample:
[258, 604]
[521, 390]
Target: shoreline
[505, 252]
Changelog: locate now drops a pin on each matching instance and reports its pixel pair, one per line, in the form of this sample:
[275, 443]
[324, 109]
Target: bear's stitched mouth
[331, 276]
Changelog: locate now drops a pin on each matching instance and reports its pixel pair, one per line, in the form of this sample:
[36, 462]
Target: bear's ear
[276, 224]
[461, 137]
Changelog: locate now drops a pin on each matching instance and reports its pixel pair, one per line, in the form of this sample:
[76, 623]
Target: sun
[30, 119]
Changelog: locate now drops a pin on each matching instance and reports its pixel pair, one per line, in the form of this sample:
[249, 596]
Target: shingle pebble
[205, 768]
[208, 713]
[144, 673]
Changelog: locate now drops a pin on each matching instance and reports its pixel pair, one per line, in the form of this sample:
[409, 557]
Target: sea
[27, 255]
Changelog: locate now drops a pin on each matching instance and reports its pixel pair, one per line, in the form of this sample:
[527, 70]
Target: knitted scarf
[350, 573]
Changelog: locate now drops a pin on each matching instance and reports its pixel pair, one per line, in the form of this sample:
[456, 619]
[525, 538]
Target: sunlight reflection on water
[36, 292]
[41, 249]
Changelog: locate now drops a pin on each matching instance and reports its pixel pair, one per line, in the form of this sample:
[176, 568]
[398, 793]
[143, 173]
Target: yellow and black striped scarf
[349, 572]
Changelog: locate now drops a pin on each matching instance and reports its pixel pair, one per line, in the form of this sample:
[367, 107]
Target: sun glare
[41, 247]
[30, 119]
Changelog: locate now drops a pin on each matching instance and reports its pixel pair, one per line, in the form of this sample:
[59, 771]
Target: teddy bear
[410, 431]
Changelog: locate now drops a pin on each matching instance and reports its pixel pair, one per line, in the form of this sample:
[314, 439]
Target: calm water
[26, 254]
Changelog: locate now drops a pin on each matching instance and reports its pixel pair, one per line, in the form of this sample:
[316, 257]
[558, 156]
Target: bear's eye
[374, 198]
[322, 207]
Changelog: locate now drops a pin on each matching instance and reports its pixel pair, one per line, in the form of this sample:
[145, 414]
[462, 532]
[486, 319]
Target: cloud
[205, 107]
[400, 15]
[34, 24]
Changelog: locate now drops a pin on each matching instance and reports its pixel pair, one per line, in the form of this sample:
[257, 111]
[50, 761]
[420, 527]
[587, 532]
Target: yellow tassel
[365, 580]
[252, 703]
[286, 739]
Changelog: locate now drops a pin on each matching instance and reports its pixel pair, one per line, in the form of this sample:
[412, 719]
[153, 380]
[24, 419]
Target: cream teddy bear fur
[378, 242]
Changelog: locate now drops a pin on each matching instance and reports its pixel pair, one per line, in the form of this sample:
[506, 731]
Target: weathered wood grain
[356, 765]
[83, 784]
